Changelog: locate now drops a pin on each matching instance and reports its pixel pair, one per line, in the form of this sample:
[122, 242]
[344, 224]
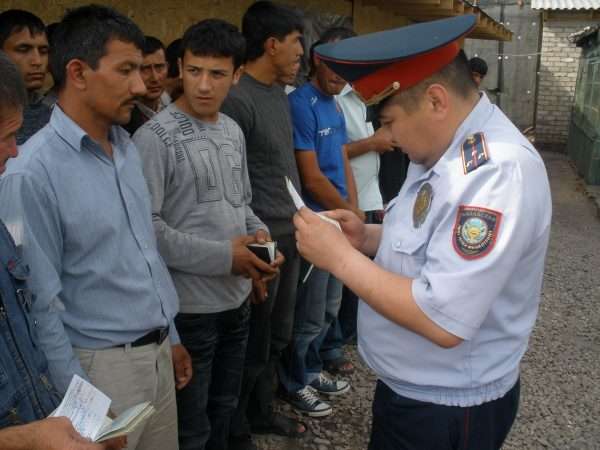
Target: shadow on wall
[555, 103]
[315, 25]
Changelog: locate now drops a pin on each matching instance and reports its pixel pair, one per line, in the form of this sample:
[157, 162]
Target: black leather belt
[157, 336]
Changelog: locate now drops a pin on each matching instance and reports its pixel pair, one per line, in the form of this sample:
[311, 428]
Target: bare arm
[380, 142]
[387, 293]
[373, 238]
[363, 237]
[360, 147]
[390, 295]
[350, 182]
[317, 184]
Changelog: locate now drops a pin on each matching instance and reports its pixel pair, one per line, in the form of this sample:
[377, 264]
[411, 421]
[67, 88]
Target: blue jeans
[317, 306]
[217, 344]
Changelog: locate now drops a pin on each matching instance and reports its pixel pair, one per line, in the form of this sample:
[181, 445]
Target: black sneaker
[327, 386]
[306, 401]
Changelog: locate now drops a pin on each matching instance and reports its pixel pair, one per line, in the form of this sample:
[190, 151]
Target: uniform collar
[474, 122]
[75, 136]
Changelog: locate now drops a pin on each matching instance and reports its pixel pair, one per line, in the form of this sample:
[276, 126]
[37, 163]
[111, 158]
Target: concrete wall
[511, 81]
[558, 74]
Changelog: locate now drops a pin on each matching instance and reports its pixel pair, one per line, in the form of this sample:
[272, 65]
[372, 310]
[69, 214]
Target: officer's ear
[437, 101]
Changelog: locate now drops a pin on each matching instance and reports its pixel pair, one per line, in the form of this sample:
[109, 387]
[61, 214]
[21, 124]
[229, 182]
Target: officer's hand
[246, 263]
[360, 214]
[57, 433]
[182, 366]
[352, 226]
[320, 242]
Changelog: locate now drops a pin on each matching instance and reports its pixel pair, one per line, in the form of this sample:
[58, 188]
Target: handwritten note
[85, 406]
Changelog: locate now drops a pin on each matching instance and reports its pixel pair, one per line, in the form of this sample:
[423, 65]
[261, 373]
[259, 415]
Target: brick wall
[558, 75]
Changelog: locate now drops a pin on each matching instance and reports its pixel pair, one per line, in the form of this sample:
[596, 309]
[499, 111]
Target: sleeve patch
[474, 152]
[475, 231]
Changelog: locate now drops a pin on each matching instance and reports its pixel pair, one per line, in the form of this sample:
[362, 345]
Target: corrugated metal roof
[565, 4]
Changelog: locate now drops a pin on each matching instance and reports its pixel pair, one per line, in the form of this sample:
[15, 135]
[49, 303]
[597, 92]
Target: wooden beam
[402, 6]
[415, 3]
[419, 11]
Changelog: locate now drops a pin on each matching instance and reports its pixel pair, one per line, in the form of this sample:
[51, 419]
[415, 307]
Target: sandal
[282, 426]
[340, 366]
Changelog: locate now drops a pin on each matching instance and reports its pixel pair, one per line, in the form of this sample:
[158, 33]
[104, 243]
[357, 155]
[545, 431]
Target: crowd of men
[144, 175]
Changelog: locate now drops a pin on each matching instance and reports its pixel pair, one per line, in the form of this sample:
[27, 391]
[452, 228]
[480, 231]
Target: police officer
[450, 300]
[26, 392]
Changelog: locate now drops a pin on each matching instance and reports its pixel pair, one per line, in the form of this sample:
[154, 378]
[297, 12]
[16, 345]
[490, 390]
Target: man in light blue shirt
[77, 202]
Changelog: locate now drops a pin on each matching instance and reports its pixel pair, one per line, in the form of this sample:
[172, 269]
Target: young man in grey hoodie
[195, 164]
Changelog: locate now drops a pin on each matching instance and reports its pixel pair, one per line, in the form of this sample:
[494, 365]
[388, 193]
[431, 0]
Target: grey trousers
[134, 375]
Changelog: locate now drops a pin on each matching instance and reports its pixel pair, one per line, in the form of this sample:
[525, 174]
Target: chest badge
[422, 204]
[474, 152]
[475, 231]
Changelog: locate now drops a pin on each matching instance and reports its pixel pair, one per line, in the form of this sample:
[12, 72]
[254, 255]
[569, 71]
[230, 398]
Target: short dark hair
[13, 94]
[215, 37]
[84, 33]
[329, 35]
[456, 76]
[151, 45]
[173, 53]
[15, 20]
[336, 33]
[479, 66]
[50, 29]
[265, 19]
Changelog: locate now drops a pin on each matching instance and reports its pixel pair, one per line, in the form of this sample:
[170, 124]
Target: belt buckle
[163, 333]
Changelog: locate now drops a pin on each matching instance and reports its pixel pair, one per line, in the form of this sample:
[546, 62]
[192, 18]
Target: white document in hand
[126, 422]
[85, 406]
[300, 203]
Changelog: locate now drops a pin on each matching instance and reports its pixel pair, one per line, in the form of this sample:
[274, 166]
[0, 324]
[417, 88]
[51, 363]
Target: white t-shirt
[364, 167]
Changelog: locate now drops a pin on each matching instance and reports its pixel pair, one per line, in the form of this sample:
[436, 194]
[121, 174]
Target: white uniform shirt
[366, 166]
[486, 293]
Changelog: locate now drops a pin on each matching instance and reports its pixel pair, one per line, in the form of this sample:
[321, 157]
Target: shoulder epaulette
[474, 152]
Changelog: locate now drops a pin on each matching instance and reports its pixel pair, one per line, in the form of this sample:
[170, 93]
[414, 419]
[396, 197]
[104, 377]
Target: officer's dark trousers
[217, 345]
[400, 423]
